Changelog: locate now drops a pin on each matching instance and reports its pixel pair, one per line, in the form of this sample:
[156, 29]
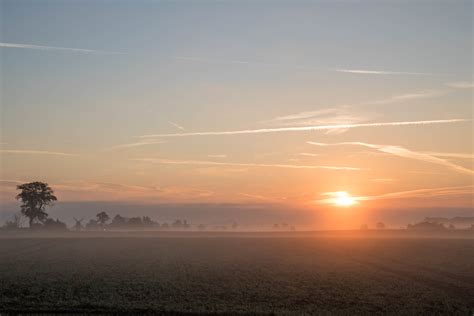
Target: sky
[274, 105]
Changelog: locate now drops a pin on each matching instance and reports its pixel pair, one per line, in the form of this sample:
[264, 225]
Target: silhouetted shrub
[51, 224]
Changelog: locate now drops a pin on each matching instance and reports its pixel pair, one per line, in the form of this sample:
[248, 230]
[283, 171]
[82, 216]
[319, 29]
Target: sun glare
[344, 199]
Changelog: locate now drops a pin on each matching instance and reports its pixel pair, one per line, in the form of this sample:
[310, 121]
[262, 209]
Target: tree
[102, 218]
[380, 225]
[119, 221]
[135, 221]
[177, 224]
[52, 224]
[13, 224]
[92, 225]
[148, 222]
[185, 224]
[35, 196]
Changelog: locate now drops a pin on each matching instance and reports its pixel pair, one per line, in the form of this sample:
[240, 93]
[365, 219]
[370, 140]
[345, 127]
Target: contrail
[220, 61]
[137, 144]
[238, 164]
[34, 152]
[450, 155]
[56, 48]
[306, 128]
[380, 72]
[302, 67]
[403, 152]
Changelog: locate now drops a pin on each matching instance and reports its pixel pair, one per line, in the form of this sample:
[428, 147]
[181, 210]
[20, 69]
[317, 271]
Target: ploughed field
[237, 274]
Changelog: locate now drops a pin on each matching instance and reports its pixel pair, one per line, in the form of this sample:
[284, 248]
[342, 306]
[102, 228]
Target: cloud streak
[56, 48]
[450, 155]
[35, 152]
[104, 191]
[342, 115]
[220, 61]
[217, 156]
[404, 153]
[308, 154]
[408, 96]
[419, 193]
[380, 72]
[328, 116]
[307, 128]
[136, 144]
[301, 67]
[461, 85]
[177, 125]
[237, 164]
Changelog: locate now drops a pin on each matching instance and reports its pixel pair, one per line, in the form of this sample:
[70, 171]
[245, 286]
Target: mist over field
[208, 157]
[255, 217]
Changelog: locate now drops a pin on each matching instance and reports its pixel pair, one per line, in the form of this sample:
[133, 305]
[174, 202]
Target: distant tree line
[102, 222]
[36, 196]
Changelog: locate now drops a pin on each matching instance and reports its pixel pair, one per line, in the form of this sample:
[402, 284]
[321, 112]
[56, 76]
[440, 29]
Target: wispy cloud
[380, 72]
[261, 197]
[301, 67]
[222, 61]
[237, 164]
[144, 142]
[409, 96]
[308, 154]
[177, 126]
[343, 114]
[308, 128]
[91, 190]
[461, 85]
[34, 152]
[55, 48]
[405, 153]
[382, 180]
[217, 156]
[419, 193]
[334, 115]
[328, 116]
[450, 155]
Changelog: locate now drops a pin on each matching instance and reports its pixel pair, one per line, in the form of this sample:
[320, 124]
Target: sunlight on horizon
[344, 199]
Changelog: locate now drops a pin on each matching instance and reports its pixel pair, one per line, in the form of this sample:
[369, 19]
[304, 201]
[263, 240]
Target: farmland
[189, 273]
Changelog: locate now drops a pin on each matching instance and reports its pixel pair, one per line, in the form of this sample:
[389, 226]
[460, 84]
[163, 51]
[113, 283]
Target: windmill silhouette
[78, 226]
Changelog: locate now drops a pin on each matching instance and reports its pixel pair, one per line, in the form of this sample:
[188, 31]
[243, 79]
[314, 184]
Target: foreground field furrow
[289, 276]
[455, 287]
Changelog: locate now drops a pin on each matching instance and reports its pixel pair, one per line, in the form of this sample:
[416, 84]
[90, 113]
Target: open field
[293, 273]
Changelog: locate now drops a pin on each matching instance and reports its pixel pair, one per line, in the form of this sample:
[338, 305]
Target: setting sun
[237, 157]
[344, 199]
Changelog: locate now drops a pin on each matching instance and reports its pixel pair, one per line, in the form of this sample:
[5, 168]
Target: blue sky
[76, 118]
